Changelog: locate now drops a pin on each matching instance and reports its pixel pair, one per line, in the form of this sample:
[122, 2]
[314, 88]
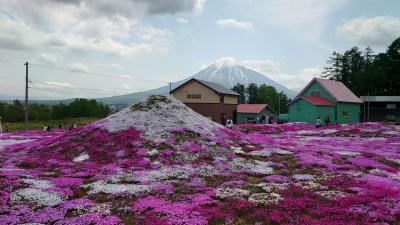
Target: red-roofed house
[325, 98]
[258, 112]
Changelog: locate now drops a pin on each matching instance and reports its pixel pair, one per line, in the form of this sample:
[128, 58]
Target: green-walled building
[325, 98]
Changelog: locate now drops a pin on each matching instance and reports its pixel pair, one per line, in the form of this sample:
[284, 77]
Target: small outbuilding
[254, 112]
[380, 109]
[325, 98]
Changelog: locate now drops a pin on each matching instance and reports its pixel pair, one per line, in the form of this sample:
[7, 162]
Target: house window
[345, 114]
[194, 96]
[298, 106]
[316, 93]
[221, 99]
[390, 106]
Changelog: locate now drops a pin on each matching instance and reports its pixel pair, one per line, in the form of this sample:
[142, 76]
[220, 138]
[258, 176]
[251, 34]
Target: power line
[98, 74]
[85, 72]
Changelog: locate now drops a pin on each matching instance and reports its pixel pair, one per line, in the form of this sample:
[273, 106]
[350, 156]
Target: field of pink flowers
[197, 172]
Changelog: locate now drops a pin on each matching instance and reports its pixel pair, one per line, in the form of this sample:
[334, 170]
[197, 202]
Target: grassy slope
[35, 125]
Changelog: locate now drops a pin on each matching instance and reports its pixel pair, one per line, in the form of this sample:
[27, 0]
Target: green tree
[241, 90]
[252, 93]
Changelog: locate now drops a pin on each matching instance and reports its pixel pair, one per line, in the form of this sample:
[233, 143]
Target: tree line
[367, 73]
[80, 107]
[263, 94]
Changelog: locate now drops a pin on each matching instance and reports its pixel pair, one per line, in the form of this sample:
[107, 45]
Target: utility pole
[279, 105]
[368, 107]
[170, 88]
[26, 95]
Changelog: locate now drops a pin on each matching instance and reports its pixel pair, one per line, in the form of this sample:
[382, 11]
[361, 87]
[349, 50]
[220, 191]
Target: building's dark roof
[252, 108]
[336, 89]
[214, 86]
[380, 98]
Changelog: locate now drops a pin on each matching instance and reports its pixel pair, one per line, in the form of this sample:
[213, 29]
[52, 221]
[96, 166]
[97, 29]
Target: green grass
[38, 125]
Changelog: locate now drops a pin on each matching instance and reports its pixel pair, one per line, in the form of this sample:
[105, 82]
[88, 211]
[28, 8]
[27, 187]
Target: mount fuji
[225, 72]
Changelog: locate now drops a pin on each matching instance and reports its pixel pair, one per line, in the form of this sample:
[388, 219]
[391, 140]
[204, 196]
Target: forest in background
[80, 107]
[365, 72]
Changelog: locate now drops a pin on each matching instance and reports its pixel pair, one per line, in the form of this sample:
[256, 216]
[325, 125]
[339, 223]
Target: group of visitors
[49, 128]
[327, 121]
[6, 127]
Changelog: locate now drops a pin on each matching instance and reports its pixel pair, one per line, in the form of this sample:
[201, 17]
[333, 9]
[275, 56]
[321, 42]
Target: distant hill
[226, 74]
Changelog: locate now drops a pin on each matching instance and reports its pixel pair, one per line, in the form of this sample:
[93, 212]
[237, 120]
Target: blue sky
[82, 48]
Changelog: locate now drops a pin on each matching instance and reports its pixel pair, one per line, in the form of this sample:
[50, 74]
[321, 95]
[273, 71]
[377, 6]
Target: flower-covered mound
[158, 162]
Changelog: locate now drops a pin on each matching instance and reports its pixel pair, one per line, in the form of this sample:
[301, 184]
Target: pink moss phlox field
[252, 174]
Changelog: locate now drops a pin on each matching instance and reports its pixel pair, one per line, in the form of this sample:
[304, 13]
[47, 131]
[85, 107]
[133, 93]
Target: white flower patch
[253, 167]
[35, 196]
[309, 185]
[261, 153]
[283, 152]
[4, 143]
[156, 116]
[102, 209]
[329, 131]
[303, 177]
[123, 178]
[40, 184]
[332, 194]
[166, 173]
[152, 152]
[376, 139]
[260, 167]
[307, 132]
[395, 176]
[207, 170]
[81, 158]
[269, 187]
[237, 150]
[231, 193]
[392, 132]
[265, 198]
[357, 173]
[346, 153]
[104, 187]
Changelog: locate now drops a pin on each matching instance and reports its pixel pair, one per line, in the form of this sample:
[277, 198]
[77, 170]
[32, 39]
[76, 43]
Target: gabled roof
[336, 89]
[252, 108]
[213, 86]
[318, 100]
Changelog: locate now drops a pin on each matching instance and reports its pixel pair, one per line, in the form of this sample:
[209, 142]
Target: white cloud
[375, 31]
[182, 21]
[225, 61]
[69, 26]
[150, 33]
[233, 23]
[79, 67]
[273, 70]
[305, 18]
[56, 84]
[47, 58]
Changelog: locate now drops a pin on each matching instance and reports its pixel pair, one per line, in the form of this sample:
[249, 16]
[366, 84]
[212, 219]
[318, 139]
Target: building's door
[234, 116]
[223, 118]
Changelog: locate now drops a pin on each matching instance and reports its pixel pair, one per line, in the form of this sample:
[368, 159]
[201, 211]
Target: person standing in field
[229, 123]
[318, 123]
[7, 127]
[327, 121]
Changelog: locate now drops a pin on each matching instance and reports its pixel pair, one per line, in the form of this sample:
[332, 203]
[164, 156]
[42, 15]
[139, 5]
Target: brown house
[209, 99]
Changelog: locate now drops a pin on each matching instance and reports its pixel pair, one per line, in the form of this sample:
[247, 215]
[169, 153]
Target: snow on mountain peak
[225, 62]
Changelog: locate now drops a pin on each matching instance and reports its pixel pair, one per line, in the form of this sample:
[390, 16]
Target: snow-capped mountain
[225, 72]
